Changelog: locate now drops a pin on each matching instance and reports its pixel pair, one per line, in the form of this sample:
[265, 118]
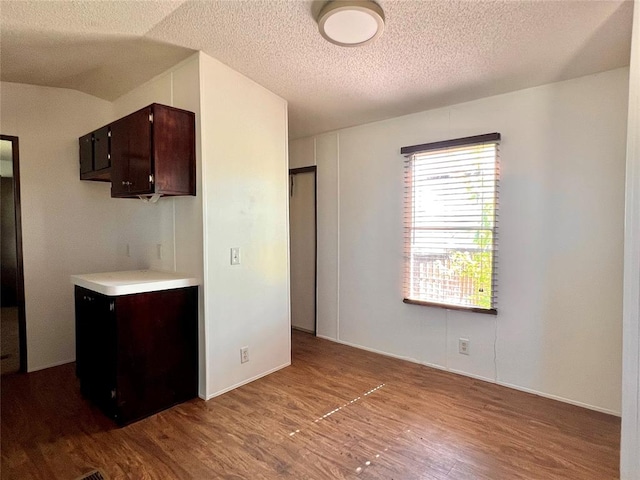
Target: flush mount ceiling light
[351, 23]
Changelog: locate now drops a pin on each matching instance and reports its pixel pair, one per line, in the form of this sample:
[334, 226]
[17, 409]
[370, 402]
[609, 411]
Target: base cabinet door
[157, 351]
[146, 357]
[96, 348]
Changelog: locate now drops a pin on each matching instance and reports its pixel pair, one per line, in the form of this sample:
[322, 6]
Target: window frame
[409, 152]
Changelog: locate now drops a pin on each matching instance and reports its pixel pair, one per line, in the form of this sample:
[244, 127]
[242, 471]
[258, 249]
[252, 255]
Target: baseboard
[300, 329]
[470, 375]
[372, 350]
[249, 380]
[479, 377]
[50, 365]
[324, 337]
[560, 399]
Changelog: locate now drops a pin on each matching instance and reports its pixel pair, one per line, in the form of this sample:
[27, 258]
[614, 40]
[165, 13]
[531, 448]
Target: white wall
[558, 331]
[245, 176]
[630, 444]
[68, 226]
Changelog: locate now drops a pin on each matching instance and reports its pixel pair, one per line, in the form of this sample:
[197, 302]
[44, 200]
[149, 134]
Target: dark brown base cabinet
[137, 354]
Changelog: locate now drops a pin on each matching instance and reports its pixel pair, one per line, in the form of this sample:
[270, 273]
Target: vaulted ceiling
[432, 53]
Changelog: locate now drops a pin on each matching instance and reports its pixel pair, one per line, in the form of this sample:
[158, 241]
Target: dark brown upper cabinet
[151, 152]
[95, 157]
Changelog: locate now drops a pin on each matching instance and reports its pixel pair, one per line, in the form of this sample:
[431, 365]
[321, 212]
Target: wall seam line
[338, 237]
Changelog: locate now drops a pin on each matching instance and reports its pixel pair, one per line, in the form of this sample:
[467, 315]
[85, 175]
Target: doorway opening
[13, 350]
[303, 248]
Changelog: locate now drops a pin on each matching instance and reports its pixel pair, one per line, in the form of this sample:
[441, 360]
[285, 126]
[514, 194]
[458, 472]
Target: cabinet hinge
[151, 117]
[151, 179]
[113, 393]
[109, 134]
[112, 306]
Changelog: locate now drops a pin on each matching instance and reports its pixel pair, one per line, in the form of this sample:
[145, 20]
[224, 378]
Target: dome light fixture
[351, 23]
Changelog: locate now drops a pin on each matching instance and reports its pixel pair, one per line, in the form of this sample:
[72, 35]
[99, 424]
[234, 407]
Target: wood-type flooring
[9, 340]
[336, 413]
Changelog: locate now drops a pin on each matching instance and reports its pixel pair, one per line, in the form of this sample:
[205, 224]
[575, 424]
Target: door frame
[22, 323]
[311, 169]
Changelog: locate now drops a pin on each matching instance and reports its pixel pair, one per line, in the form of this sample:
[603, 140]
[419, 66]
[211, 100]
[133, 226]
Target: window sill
[490, 311]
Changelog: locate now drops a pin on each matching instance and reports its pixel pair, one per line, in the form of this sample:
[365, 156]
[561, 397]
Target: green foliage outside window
[477, 266]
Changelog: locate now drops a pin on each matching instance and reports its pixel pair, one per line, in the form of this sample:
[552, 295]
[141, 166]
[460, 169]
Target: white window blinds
[451, 220]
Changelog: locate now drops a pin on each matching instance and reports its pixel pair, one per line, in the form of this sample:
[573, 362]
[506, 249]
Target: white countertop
[134, 281]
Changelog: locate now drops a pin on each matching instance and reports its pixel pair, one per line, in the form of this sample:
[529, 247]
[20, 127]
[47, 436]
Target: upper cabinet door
[119, 157]
[101, 158]
[131, 155]
[140, 161]
[86, 153]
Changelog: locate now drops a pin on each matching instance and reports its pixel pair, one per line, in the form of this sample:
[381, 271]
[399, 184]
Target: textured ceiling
[93, 46]
[432, 53]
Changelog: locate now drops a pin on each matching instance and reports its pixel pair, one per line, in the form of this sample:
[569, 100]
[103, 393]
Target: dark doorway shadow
[13, 325]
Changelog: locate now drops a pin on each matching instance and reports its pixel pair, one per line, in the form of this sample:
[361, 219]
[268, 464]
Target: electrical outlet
[463, 346]
[244, 354]
[235, 256]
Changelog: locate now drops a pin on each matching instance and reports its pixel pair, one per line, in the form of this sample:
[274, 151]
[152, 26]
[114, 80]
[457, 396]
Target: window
[451, 219]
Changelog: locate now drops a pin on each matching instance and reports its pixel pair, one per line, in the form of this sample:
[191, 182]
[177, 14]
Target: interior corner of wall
[315, 150]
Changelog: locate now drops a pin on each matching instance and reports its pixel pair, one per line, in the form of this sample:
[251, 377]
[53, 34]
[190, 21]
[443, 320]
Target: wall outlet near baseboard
[463, 346]
[244, 354]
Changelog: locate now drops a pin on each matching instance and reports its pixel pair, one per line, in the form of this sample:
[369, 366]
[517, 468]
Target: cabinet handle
[126, 183]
